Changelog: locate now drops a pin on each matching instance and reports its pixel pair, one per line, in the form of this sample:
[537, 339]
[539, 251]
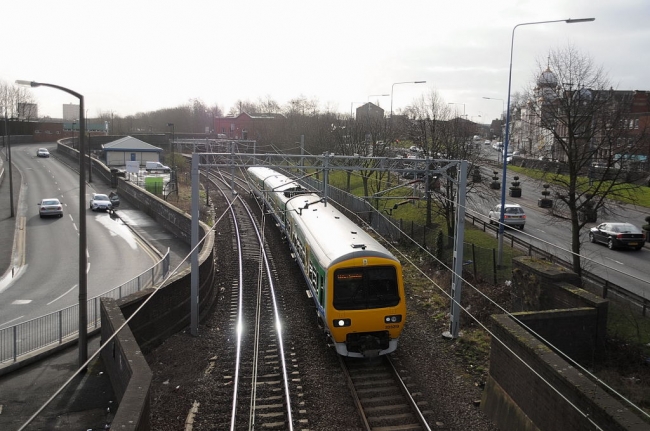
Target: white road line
[615, 261]
[68, 291]
[21, 301]
[12, 320]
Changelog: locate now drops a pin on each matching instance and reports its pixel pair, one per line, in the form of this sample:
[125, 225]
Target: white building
[70, 112]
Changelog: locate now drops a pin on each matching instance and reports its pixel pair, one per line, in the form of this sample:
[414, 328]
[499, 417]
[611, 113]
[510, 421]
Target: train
[356, 283]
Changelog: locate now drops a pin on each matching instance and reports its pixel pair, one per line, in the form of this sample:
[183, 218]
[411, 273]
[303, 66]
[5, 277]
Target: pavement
[88, 401]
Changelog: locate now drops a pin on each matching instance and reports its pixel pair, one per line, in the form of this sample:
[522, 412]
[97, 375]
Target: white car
[513, 215]
[42, 152]
[100, 202]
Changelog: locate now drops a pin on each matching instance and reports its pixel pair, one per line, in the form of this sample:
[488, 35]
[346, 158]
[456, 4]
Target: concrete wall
[516, 398]
[530, 385]
[164, 312]
[127, 369]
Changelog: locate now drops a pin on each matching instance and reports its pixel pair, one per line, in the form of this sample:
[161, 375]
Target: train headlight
[396, 318]
[341, 323]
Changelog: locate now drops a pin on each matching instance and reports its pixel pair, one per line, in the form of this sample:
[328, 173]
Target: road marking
[12, 320]
[21, 301]
[615, 261]
[68, 291]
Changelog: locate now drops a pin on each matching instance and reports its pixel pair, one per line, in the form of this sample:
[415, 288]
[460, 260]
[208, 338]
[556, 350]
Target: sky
[136, 56]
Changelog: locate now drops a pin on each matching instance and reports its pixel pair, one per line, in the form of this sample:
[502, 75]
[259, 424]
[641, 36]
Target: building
[370, 112]
[70, 112]
[118, 152]
[609, 125]
[247, 126]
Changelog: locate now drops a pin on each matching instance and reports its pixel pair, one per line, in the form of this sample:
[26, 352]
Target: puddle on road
[117, 228]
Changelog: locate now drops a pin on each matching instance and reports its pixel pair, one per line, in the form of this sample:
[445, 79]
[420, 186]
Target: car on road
[100, 202]
[42, 152]
[618, 235]
[50, 207]
[513, 215]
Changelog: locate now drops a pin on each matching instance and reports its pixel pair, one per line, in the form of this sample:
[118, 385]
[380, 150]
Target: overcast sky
[141, 55]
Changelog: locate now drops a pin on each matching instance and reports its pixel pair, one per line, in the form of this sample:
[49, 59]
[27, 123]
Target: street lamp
[377, 95]
[173, 139]
[83, 261]
[503, 103]
[452, 103]
[391, 98]
[11, 181]
[505, 143]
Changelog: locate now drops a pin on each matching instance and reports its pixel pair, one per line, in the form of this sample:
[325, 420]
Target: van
[157, 167]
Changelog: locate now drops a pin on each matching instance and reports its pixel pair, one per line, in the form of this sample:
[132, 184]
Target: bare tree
[444, 137]
[584, 123]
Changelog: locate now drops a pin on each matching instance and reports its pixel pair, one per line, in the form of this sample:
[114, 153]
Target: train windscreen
[363, 288]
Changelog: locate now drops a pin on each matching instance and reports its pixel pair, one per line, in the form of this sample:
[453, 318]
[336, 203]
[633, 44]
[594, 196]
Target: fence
[479, 262]
[63, 325]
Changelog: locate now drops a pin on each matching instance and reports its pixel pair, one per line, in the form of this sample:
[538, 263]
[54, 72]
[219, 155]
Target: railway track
[252, 365]
[382, 397]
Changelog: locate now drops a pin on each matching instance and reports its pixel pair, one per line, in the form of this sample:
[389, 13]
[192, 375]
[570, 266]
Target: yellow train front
[356, 283]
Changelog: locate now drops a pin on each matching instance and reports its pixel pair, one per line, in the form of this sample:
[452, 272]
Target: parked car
[115, 200]
[50, 207]
[618, 235]
[100, 202]
[42, 152]
[513, 215]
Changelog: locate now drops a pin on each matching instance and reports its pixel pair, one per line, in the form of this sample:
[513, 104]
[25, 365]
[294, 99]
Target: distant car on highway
[100, 202]
[618, 235]
[50, 207]
[42, 152]
[513, 215]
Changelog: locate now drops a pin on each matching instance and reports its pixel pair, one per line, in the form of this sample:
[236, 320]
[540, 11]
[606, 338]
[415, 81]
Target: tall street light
[173, 138]
[83, 261]
[377, 95]
[503, 109]
[391, 98]
[503, 103]
[452, 103]
[505, 143]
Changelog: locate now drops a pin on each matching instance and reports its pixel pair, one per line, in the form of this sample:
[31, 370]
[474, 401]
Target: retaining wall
[530, 385]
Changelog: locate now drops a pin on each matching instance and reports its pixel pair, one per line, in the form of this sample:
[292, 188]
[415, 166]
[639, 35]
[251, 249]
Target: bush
[646, 226]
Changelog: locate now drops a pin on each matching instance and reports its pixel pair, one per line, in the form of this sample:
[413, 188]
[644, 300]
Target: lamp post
[391, 98]
[452, 103]
[503, 103]
[173, 139]
[505, 143]
[377, 95]
[83, 261]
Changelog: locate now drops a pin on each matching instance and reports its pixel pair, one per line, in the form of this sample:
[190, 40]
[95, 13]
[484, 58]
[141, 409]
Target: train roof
[271, 178]
[332, 236]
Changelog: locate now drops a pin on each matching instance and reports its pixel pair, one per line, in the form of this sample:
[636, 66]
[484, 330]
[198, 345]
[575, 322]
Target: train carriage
[355, 282]
[275, 190]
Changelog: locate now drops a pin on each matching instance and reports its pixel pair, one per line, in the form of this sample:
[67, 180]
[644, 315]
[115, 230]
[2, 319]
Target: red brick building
[246, 126]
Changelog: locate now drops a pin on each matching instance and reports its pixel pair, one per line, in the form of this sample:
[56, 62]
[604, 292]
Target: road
[626, 268]
[48, 280]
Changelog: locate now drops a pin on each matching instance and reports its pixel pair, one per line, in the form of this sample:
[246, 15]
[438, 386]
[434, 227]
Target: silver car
[100, 202]
[50, 207]
[513, 215]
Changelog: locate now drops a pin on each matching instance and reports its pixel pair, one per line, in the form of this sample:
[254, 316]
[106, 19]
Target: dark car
[618, 235]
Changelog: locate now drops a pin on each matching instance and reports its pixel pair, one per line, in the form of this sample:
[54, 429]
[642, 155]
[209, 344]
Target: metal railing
[63, 325]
